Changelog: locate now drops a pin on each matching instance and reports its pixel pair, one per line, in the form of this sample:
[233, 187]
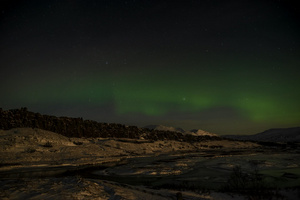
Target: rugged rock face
[77, 127]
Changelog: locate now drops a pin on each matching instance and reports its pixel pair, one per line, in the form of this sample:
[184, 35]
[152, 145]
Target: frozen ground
[38, 164]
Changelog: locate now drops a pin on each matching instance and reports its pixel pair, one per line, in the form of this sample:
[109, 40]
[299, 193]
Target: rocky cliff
[77, 127]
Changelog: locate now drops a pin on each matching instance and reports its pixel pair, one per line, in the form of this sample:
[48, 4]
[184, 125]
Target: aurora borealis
[228, 67]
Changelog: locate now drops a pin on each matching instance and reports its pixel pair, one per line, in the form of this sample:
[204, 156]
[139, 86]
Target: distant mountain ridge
[199, 132]
[272, 135]
[194, 132]
[164, 128]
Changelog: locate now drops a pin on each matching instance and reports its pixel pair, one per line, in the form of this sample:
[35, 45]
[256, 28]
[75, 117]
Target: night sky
[226, 66]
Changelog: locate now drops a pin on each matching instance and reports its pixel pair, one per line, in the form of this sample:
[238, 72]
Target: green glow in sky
[229, 67]
[256, 95]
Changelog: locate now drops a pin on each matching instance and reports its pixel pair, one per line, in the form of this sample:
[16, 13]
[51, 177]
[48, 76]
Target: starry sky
[224, 66]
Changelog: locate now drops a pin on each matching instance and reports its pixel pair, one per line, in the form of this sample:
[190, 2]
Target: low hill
[272, 135]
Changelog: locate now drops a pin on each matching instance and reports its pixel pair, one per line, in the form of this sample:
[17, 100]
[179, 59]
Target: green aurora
[259, 95]
[228, 67]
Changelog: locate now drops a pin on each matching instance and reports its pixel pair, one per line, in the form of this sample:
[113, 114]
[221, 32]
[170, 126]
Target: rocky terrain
[48, 157]
[40, 159]
[77, 127]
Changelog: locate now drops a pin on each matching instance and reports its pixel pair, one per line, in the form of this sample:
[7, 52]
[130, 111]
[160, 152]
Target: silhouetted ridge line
[77, 127]
[272, 135]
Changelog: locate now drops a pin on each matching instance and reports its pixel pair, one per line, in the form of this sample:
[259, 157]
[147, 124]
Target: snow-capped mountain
[164, 128]
[199, 132]
[195, 132]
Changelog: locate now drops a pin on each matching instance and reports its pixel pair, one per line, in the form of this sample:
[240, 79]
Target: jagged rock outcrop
[77, 127]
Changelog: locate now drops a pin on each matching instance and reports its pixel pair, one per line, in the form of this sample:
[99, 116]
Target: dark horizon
[226, 67]
[145, 126]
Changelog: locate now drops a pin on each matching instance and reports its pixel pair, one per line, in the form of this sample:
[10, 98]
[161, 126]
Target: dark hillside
[77, 127]
[272, 135]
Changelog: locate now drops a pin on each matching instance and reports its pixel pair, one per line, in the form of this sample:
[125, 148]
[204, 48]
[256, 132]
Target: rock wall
[77, 127]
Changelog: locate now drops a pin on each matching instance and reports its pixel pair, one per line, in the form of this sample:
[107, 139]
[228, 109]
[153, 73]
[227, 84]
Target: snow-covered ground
[26, 146]
[32, 162]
